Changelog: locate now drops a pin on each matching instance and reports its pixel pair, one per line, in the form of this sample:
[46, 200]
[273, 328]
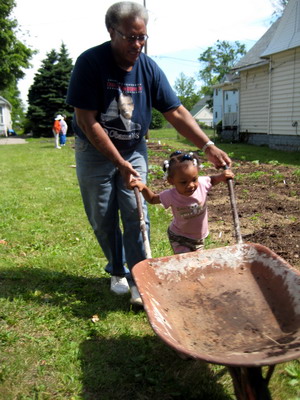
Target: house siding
[225, 107]
[270, 104]
[269, 84]
[217, 108]
[5, 116]
[285, 93]
[254, 100]
[204, 116]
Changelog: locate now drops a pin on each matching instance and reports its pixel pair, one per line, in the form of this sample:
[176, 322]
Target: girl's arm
[223, 177]
[147, 193]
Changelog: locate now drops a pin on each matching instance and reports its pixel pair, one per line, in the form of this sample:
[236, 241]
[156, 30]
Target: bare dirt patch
[268, 204]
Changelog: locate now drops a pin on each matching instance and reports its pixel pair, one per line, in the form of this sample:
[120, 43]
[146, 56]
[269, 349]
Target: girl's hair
[178, 157]
[123, 10]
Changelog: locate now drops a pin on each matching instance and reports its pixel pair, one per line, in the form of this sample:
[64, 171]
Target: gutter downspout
[238, 111]
[223, 108]
[269, 99]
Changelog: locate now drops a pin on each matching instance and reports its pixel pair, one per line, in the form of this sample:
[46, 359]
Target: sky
[178, 33]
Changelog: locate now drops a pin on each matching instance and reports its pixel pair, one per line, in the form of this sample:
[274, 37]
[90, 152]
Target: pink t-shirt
[189, 212]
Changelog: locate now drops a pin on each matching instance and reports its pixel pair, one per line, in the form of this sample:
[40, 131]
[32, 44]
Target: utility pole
[147, 136]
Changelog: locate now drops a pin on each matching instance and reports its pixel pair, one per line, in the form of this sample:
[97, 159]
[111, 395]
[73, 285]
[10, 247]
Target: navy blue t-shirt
[97, 83]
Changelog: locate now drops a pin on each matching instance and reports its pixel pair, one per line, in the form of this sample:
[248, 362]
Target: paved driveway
[12, 140]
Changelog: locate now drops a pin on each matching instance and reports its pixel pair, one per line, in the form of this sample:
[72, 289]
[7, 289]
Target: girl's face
[184, 178]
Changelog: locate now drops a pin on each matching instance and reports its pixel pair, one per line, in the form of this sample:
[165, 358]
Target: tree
[186, 90]
[158, 120]
[47, 94]
[279, 6]
[14, 55]
[217, 62]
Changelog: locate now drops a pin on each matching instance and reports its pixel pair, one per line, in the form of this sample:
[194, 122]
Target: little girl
[187, 198]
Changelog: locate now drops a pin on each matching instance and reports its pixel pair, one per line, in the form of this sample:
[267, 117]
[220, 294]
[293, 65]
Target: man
[106, 163]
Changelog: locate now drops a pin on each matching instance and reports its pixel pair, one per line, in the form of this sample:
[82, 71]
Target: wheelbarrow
[237, 306]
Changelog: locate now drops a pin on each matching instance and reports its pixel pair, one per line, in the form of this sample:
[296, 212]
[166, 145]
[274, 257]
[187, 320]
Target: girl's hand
[228, 174]
[136, 183]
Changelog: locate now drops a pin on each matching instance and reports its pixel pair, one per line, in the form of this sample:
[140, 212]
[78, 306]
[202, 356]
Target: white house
[5, 116]
[202, 113]
[269, 85]
[226, 102]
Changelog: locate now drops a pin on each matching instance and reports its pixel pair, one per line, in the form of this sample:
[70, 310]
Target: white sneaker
[119, 285]
[135, 296]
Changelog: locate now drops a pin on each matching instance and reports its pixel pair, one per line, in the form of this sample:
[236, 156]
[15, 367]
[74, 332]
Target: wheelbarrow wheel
[249, 384]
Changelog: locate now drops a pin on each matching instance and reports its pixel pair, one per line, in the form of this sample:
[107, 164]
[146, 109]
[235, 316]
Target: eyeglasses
[133, 38]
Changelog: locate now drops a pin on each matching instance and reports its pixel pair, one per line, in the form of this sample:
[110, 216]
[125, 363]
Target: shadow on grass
[144, 368]
[123, 368]
[83, 296]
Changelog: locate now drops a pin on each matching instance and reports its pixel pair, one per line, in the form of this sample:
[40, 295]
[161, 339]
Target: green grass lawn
[63, 335]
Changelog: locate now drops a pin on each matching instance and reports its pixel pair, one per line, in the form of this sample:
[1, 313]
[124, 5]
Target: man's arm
[185, 124]
[86, 120]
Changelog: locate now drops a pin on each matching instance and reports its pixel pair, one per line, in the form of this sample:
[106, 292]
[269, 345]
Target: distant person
[11, 132]
[187, 199]
[56, 129]
[63, 131]
[107, 160]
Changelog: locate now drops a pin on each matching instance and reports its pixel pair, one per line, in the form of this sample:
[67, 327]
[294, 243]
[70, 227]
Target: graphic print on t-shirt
[192, 210]
[117, 121]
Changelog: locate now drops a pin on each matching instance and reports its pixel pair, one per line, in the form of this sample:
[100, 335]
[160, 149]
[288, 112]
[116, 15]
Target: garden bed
[268, 204]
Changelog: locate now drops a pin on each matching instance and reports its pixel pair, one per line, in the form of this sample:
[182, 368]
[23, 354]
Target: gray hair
[123, 10]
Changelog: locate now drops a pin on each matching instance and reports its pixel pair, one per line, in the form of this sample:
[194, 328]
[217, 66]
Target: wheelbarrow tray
[237, 305]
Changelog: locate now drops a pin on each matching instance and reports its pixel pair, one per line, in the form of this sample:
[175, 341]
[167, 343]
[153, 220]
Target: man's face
[125, 51]
[126, 106]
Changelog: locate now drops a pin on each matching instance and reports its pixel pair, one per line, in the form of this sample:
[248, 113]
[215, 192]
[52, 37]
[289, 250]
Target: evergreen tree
[47, 94]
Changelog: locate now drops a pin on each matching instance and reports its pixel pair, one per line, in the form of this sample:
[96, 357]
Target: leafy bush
[158, 120]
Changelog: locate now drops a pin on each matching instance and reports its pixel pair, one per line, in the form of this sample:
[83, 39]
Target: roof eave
[227, 85]
[250, 66]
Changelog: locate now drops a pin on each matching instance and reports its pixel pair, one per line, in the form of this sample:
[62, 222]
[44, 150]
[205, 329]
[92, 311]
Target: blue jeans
[62, 139]
[106, 200]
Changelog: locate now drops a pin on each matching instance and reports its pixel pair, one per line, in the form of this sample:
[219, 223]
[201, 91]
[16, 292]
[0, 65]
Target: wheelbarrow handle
[142, 223]
[235, 215]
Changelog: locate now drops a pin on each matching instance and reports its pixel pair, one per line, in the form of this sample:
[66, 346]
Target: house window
[1, 115]
[216, 114]
[226, 96]
[217, 91]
